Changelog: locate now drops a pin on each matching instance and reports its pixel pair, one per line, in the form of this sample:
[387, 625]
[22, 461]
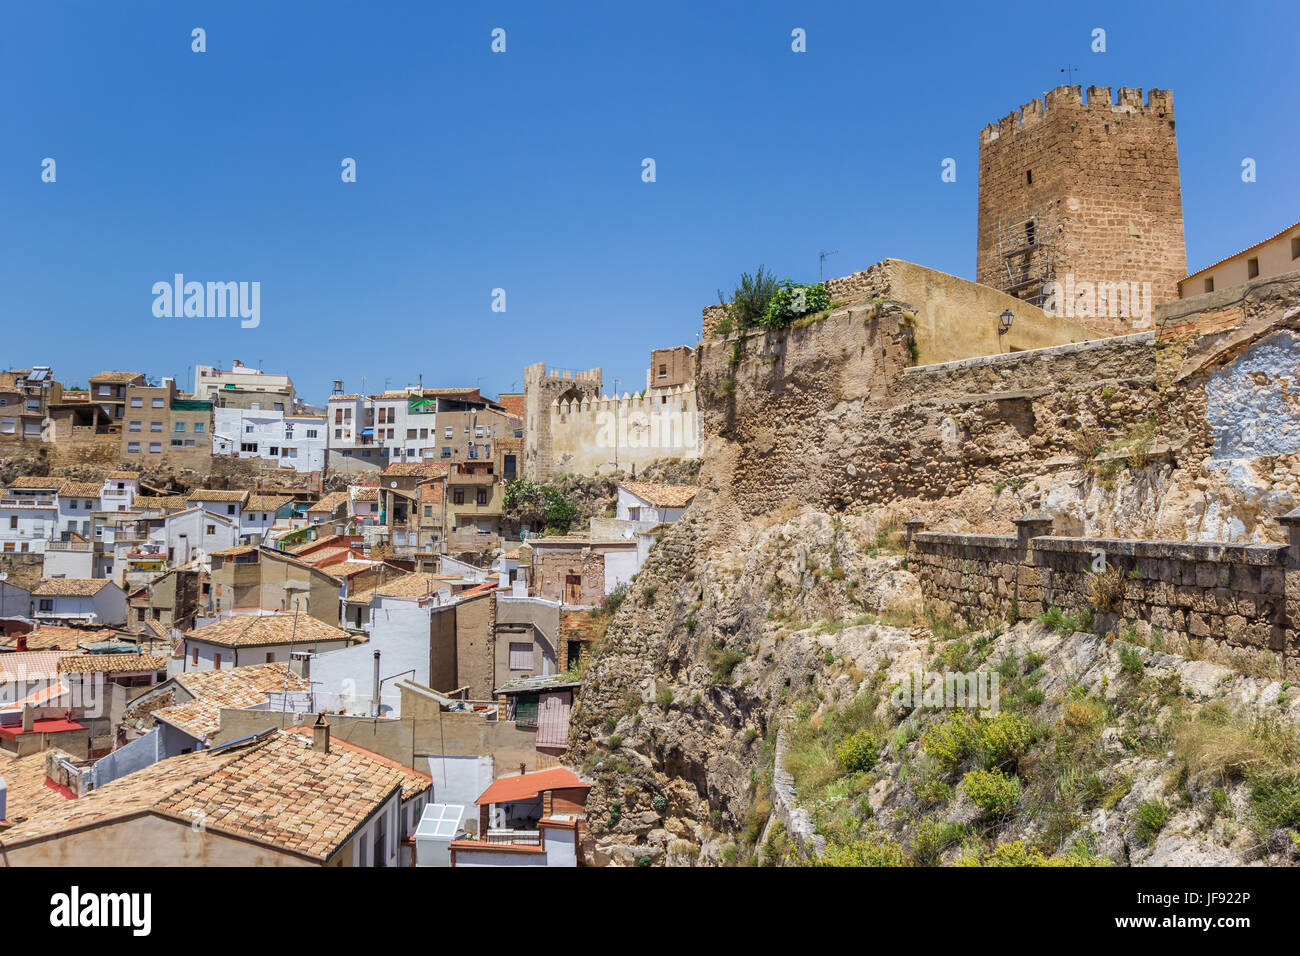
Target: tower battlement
[1086, 187]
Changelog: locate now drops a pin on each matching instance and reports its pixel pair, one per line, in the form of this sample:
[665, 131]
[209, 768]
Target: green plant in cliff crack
[1106, 588]
[722, 662]
[1130, 660]
[857, 752]
[994, 742]
[648, 594]
[791, 301]
[1150, 819]
[750, 297]
[727, 387]
[1066, 624]
[737, 353]
[612, 601]
[932, 838]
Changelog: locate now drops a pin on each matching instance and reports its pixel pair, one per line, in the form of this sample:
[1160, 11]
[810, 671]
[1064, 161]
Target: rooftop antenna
[821, 262]
[1069, 72]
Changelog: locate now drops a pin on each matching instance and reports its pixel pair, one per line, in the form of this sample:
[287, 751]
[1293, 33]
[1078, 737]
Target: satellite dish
[4, 575]
[392, 484]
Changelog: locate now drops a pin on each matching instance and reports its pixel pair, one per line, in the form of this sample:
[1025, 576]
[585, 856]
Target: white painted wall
[399, 631]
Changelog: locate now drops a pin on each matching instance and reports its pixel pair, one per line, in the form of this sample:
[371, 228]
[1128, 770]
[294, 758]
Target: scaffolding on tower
[1027, 255]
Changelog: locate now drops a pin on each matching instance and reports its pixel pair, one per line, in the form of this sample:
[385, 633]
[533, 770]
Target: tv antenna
[821, 262]
[1069, 72]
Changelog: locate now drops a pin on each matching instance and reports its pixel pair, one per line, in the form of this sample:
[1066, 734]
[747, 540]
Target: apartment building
[108, 392]
[26, 396]
[159, 423]
[270, 434]
[414, 424]
[475, 500]
[222, 386]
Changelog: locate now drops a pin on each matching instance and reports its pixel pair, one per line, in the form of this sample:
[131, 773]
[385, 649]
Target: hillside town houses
[233, 579]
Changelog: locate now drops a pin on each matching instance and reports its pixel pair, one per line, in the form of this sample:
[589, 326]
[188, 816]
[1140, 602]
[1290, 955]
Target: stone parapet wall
[1241, 601]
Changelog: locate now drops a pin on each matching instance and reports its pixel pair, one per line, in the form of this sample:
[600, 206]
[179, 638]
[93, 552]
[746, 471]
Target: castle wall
[542, 388]
[1107, 172]
[594, 436]
[1231, 597]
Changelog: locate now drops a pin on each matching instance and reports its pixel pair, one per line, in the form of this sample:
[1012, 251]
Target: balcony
[506, 837]
[13, 501]
[69, 546]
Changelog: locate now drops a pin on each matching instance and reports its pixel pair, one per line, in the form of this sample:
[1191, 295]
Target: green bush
[992, 791]
[996, 741]
[1152, 815]
[792, 300]
[873, 849]
[749, 300]
[857, 752]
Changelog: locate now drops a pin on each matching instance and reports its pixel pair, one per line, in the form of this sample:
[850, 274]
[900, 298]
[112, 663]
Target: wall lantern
[1004, 322]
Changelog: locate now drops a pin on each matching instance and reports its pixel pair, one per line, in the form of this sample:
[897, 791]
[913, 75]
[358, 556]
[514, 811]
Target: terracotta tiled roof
[366, 494]
[526, 786]
[237, 549]
[80, 489]
[254, 630]
[344, 398]
[267, 502]
[217, 494]
[37, 481]
[414, 783]
[111, 663]
[238, 687]
[117, 378]
[275, 790]
[662, 495]
[122, 476]
[415, 584]
[330, 503]
[70, 587]
[26, 791]
[48, 637]
[30, 665]
[164, 503]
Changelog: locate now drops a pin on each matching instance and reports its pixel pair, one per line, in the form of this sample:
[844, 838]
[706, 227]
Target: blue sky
[522, 170]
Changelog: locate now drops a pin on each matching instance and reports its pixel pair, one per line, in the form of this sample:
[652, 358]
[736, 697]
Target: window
[478, 431]
[1209, 284]
[1029, 177]
[410, 434]
[230, 509]
[521, 657]
[177, 443]
[458, 496]
[155, 447]
[446, 452]
[663, 370]
[212, 529]
[248, 429]
[448, 432]
[275, 451]
[157, 403]
[155, 426]
[1030, 234]
[216, 662]
[1295, 248]
[47, 605]
[133, 426]
[195, 658]
[248, 446]
[133, 447]
[13, 521]
[137, 402]
[72, 505]
[1252, 268]
[481, 497]
[179, 427]
[200, 426]
[270, 657]
[311, 433]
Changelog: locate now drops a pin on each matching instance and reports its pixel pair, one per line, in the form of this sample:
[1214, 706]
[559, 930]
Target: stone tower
[542, 387]
[1080, 209]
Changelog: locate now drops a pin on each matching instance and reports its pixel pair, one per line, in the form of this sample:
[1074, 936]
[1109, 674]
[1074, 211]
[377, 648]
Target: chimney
[22, 642]
[320, 734]
[375, 705]
[29, 718]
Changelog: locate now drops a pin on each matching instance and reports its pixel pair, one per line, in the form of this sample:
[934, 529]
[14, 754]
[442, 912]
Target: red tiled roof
[528, 785]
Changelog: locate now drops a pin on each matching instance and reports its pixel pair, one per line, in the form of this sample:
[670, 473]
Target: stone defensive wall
[1239, 603]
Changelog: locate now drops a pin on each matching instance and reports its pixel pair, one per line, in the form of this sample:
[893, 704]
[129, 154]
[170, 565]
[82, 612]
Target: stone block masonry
[1103, 177]
[1241, 601]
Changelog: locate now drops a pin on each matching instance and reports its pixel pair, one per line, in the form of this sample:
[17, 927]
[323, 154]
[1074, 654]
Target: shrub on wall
[792, 300]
